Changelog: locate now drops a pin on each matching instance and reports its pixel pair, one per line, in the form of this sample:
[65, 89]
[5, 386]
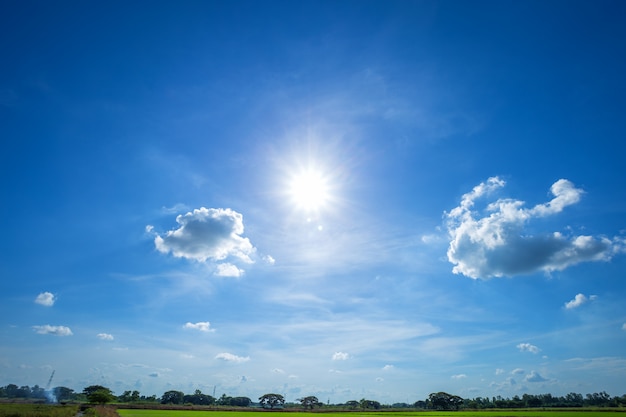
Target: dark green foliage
[310, 402]
[369, 404]
[172, 397]
[271, 400]
[198, 398]
[444, 401]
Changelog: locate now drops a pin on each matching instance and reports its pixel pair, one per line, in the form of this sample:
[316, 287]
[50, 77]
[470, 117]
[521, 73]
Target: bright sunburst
[309, 190]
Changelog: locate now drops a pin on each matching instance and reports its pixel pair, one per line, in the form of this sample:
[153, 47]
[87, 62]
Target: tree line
[435, 401]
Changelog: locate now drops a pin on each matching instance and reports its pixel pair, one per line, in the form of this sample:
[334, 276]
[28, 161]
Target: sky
[346, 199]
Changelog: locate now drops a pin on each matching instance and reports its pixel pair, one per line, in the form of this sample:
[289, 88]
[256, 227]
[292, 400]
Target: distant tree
[601, 399]
[367, 404]
[444, 401]
[100, 396]
[37, 392]
[125, 397]
[172, 397]
[271, 400]
[11, 390]
[352, 404]
[574, 400]
[224, 400]
[93, 388]
[309, 402]
[24, 391]
[240, 402]
[198, 398]
[420, 404]
[63, 393]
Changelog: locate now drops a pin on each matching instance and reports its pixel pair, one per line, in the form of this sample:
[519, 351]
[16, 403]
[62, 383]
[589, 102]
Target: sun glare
[309, 190]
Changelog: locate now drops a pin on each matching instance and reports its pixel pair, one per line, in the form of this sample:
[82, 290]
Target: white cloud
[518, 371]
[534, 376]
[228, 270]
[499, 371]
[269, 260]
[495, 244]
[105, 336]
[46, 299]
[579, 300]
[203, 326]
[229, 357]
[624, 326]
[459, 376]
[340, 356]
[53, 330]
[207, 234]
[527, 347]
[388, 367]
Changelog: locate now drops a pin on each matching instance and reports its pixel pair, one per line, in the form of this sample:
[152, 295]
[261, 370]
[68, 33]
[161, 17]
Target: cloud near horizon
[527, 347]
[207, 234]
[495, 244]
[228, 270]
[534, 376]
[340, 356]
[203, 326]
[579, 300]
[53, 330]
[229, 357]
[46, 299]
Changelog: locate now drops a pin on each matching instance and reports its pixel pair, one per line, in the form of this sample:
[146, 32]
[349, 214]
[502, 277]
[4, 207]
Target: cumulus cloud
[105, 336]
[534, 376]
[53, 330]
[494, 243]
[228, 270]
[388, 367]
[459, 376]
[340, 356]
[499, 371]
[46, 299]
[518, 371]
[229, 357]
[527, 347]
[203, 326]
[207, 234]
[579, 300]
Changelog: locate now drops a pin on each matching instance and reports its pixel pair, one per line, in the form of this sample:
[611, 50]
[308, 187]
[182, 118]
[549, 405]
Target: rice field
[37, 410]
[480, 413]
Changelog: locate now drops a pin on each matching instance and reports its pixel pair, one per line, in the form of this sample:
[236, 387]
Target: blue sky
[343, 199]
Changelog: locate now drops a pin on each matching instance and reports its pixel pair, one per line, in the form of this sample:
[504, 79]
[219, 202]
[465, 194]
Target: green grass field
[37, 410]
[485, 413]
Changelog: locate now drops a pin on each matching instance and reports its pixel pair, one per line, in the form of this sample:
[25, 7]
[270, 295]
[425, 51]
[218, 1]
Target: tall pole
[50, 381]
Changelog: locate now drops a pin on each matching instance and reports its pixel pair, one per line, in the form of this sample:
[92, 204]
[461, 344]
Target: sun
[309, 190]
